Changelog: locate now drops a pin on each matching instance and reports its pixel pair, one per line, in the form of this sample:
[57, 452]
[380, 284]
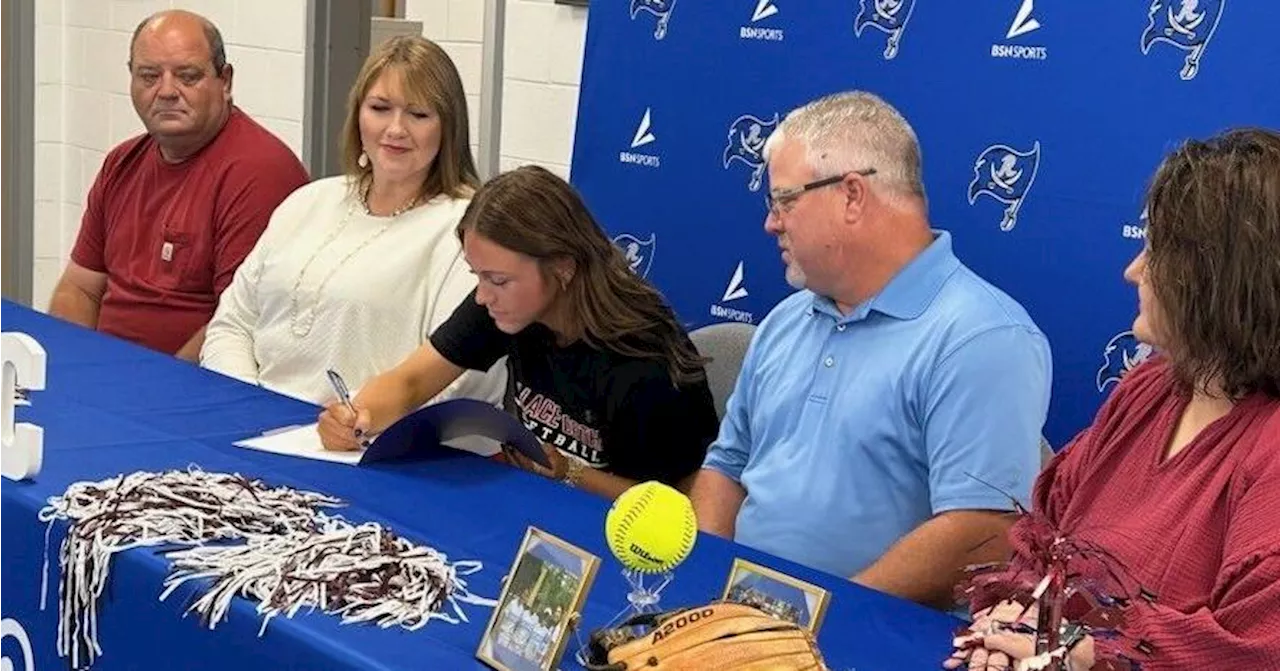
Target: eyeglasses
[781, 201]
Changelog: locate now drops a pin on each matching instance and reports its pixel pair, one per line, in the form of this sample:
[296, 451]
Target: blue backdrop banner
[1040, 123]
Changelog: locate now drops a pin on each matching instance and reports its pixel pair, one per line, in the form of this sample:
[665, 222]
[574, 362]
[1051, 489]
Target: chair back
[726, 345]
[1046, 452]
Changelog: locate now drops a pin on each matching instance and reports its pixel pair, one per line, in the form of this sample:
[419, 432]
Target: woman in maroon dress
[1178, 477]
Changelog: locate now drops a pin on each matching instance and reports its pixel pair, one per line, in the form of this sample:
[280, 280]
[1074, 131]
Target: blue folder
[421, 432]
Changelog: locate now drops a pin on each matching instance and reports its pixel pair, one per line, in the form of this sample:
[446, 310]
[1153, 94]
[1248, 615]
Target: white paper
[299, 441]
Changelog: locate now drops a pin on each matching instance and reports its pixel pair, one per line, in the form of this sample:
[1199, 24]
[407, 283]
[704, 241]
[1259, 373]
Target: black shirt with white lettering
[617, 413]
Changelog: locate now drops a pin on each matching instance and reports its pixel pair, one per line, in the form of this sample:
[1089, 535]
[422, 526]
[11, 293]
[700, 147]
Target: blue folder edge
[422, 431]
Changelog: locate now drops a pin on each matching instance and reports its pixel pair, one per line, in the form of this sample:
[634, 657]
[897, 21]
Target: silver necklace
[301, 321]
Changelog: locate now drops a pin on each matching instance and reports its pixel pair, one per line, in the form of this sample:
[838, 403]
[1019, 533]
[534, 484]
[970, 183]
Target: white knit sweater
[376, 307]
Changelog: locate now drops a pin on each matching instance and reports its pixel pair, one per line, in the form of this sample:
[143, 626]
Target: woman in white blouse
[355, 271]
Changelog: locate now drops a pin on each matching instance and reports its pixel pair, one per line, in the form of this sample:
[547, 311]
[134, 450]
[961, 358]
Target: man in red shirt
[173, 212]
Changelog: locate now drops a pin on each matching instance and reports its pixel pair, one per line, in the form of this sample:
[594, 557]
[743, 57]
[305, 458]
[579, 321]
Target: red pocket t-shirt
[170, 236]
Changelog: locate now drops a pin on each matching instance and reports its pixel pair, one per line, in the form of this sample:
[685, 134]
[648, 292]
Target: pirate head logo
[639, 253]
[889, 16]
[1187, 25]
[659, 8]
[1122, 354]
[1005, 174]
[746, 143]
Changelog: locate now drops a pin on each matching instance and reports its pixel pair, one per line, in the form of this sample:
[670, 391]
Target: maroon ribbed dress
[1201, 530]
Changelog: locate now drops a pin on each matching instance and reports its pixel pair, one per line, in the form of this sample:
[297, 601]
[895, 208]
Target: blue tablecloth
[111, 407]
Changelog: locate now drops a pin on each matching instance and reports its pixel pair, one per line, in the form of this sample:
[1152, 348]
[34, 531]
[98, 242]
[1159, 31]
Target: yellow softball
[651, 528]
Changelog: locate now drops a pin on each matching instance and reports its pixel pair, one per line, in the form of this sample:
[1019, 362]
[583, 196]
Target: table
[111, 407]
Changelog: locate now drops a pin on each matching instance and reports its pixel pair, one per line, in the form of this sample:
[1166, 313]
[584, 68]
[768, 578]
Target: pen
[340, 388]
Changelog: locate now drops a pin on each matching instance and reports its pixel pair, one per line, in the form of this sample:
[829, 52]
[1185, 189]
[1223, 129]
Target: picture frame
[777, 594]
[539, 607]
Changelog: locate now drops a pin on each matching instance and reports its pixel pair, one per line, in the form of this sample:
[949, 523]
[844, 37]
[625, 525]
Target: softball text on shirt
[545, 418]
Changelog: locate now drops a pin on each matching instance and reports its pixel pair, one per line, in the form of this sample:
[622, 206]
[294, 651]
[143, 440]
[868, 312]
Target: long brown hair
[532, 211]
[428, 78]
[1213, 260]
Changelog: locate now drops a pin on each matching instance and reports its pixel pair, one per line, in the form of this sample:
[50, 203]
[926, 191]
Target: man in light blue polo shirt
[881, 410]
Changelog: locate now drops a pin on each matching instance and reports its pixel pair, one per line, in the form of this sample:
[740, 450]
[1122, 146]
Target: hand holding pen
[342, 425]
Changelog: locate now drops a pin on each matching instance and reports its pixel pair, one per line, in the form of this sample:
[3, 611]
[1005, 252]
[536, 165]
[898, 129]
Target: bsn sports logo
[1024, 22]
[746, 143]
[888, 16]
[11, 628]
[659, 8]
[1187, 25]
[764, 9]
[639, 253]
[643, 136]
[1122, 354]
[1136, 231]
[733, 291]
[1005, 174]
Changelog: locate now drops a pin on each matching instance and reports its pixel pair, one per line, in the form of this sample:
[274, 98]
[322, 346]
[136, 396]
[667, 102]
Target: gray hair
[855, 130]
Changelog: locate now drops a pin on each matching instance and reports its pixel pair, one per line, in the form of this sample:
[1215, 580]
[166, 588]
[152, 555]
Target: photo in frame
[777, 594]
[539, 605]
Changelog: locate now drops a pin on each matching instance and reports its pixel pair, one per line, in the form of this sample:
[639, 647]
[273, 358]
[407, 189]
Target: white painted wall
[542, 69]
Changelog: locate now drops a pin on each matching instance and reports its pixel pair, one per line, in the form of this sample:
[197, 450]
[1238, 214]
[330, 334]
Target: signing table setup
[458, 523]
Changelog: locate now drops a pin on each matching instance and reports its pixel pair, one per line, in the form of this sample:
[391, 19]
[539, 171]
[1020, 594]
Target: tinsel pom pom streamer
[362, 573]
[275, 546]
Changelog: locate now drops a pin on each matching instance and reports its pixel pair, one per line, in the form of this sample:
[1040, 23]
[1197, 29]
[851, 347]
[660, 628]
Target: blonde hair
[428, 78]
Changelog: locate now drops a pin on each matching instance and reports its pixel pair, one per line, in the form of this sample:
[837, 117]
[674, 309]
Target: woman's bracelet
[573, 471]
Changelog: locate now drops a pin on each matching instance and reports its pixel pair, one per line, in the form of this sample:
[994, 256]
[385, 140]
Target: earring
[363, 161]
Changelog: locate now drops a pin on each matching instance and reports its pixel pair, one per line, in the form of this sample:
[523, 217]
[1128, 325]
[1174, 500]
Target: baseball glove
[719, 635]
